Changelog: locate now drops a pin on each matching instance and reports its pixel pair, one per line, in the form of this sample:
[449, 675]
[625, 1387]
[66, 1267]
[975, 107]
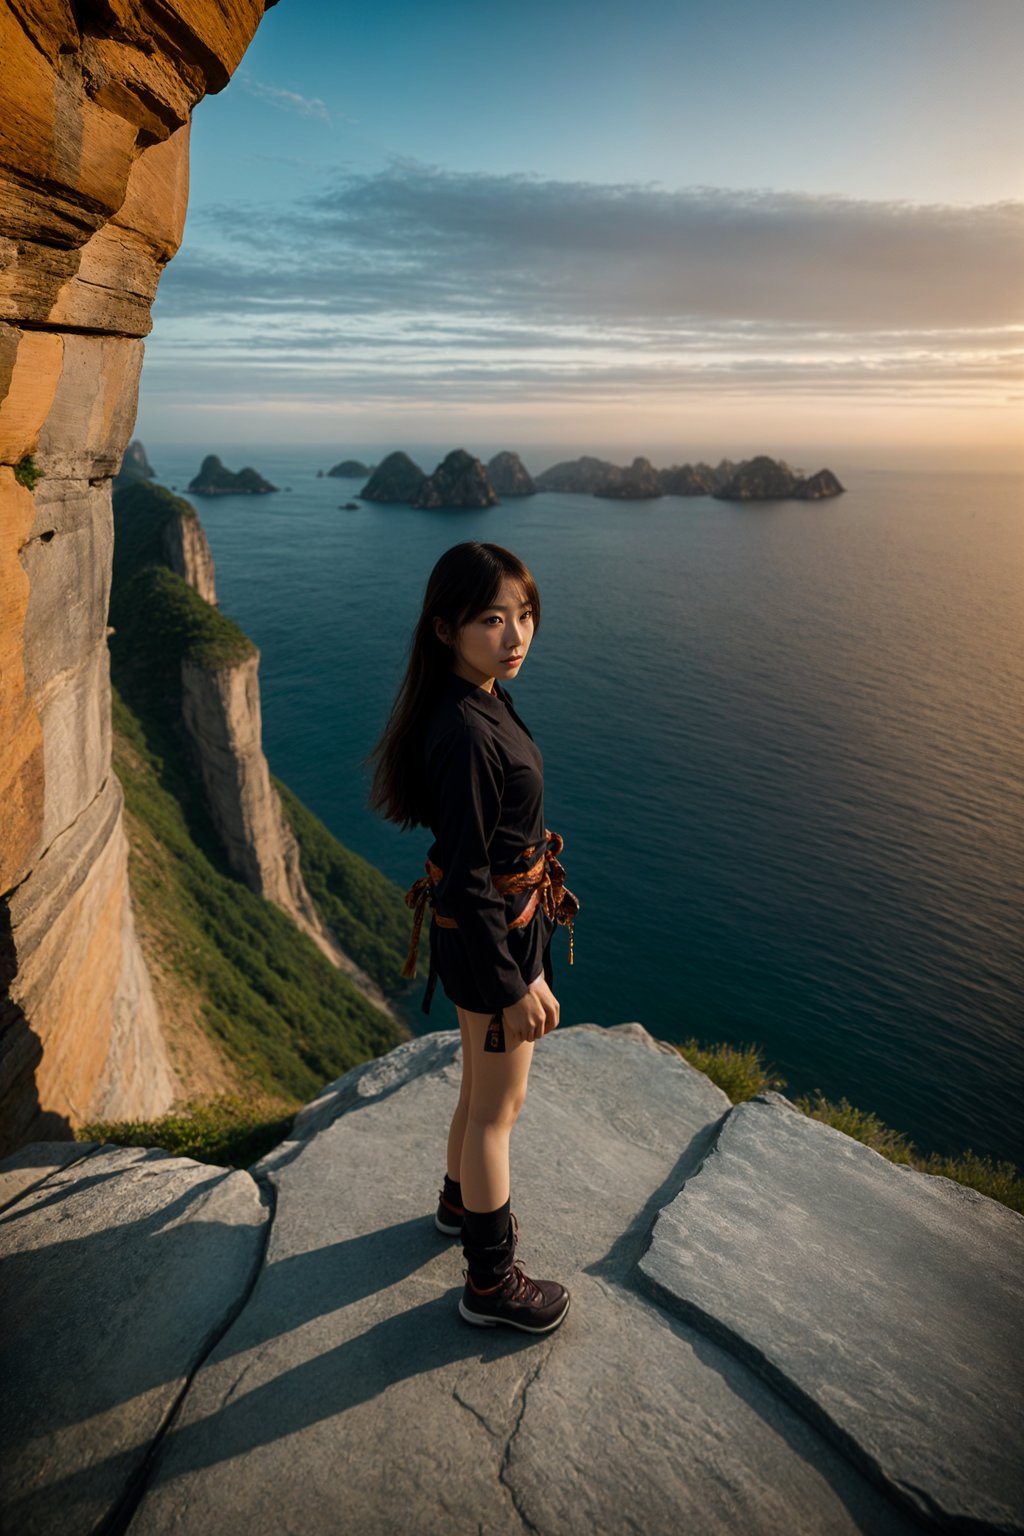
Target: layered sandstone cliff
[93, 186]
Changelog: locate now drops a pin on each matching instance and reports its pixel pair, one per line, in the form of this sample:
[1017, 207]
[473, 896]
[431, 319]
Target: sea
[783, 742]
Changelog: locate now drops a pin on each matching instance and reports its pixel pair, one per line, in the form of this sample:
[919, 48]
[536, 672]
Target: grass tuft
[999, 1180]
[739, 1071]
[741, 1074]
[230, 1130]
[27, 472]
[861, 1124]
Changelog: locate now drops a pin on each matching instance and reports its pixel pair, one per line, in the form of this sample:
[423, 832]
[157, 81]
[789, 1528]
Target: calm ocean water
[784, 745]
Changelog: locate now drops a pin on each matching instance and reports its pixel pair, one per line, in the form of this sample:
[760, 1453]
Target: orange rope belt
[545, 878]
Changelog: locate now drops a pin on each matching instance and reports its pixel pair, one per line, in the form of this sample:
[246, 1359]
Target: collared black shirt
[485, 789]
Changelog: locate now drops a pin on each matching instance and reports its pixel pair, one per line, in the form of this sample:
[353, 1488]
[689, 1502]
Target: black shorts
[529, 946]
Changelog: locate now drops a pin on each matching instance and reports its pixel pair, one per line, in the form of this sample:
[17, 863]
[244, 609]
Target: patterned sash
[545, 879]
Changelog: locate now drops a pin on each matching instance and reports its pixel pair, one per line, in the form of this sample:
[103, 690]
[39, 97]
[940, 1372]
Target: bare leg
[497, 1090]
[457, 1129]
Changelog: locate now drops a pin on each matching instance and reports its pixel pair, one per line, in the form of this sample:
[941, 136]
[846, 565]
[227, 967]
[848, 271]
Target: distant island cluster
[460, 480]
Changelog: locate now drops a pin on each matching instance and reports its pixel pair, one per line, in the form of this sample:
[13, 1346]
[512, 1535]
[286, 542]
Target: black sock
[452, 1190]
[488, 1229]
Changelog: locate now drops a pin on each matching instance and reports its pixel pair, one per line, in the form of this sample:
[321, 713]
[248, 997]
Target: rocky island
[765, 479]
[351, 469]
[826, 1343]
[640, 482]
[462, 481]
[758, 479]
[691, 479]
[818, 486]
[134, 466]
[582, 476]
[508, 475]
[396, 479]
[458, 481]
[214, 480]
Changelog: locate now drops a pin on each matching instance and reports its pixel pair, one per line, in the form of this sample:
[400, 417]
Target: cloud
[414, 279]
[290, 101]
[421, 236]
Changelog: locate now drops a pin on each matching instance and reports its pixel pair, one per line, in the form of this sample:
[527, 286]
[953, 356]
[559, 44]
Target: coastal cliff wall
[221, 711]
[172, 649]
[93, 183]
[187, 550]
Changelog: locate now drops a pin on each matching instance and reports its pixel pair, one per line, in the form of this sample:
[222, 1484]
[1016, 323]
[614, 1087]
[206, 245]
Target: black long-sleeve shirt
[485, 788]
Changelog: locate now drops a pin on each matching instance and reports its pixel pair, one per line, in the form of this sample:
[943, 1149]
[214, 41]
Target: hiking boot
[449, 1216]
[535, 1306]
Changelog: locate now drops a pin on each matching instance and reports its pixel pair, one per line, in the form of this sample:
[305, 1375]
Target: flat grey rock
[884, 1302]
[33, 1164]
[349, 1396]
[116, 1275]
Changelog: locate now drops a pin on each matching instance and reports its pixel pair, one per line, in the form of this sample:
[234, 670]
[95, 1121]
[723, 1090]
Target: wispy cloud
[415, 279]
[423, 236]
[289, 101]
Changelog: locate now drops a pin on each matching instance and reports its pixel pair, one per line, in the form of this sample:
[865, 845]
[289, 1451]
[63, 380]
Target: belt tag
[495, 1038]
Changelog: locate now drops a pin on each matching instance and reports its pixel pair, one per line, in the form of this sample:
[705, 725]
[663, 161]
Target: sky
[680, 228]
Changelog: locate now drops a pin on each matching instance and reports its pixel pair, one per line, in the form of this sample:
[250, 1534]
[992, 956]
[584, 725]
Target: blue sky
[674, 229]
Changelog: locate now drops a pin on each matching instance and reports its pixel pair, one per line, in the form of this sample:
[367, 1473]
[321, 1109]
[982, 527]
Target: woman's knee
[502, 1111]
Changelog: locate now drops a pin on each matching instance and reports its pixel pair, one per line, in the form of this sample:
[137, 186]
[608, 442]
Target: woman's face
[493, 644]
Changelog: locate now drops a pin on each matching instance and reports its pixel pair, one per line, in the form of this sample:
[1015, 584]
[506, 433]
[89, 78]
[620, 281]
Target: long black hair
[464, 582]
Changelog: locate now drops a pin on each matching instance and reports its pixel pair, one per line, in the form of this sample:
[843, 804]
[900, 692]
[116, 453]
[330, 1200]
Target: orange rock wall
[93, 192]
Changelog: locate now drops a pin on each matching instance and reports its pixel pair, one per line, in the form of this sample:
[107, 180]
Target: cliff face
[186, 549]
[221, 711]
[190, 669]
[93, 184]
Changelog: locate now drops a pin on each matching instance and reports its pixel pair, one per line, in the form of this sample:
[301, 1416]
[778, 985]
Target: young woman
[456, 757]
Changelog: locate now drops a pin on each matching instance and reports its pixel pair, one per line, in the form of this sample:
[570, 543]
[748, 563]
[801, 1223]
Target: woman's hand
[525, 1020]
[552, 1008]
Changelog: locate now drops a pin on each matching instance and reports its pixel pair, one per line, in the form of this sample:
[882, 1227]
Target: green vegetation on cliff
[161, 621]
[361, 906]
[283, 1020]
[740, 1072]
[280, 1011]
[27, 472]
[230, 1130]
[141, 511]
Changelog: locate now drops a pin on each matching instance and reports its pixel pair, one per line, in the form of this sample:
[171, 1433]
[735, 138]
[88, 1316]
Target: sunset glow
[665, 258]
